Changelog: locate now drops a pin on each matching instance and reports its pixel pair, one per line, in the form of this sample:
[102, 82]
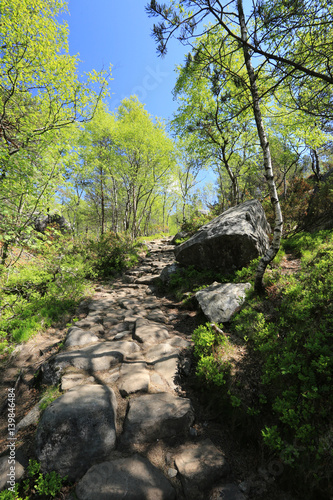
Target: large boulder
[228, 242]
[55, 220]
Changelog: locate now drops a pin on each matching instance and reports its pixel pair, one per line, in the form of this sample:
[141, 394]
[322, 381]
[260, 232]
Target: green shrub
[211, 367]
[198, 219]
[37, 485]
[110, 254]
[296, 346]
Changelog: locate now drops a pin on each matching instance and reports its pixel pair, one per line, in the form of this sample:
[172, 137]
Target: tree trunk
[275, 245]
[102, 207]
[315, 164]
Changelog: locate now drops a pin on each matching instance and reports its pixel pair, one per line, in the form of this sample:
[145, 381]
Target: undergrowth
[39, 290]
[290, 331]
[37, 485]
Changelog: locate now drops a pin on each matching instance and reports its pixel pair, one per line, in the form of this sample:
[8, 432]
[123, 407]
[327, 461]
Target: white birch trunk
[275, 245]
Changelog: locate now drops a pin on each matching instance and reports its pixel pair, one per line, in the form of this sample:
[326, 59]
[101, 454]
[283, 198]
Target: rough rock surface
[200, 465]
[148, 332]
[93, 358]
[76, 430]
[132, 478]
[157, 416]
[228, 242]
[228, 491]
[220, 302]
[79, 337]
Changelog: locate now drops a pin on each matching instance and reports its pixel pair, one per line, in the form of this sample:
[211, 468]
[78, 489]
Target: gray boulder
[55, 220]
[220, 302]
[77, 430]
[8, 476]
[133, 478]
[228, 242]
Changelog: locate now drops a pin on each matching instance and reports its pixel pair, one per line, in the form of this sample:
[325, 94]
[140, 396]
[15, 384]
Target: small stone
[78, 337]
[172, 472]
[220, 302]
[193, 432]
[70, 380]
[5, 471]
[245, 487]
[157, 315]
[98, 357]
[120, 335]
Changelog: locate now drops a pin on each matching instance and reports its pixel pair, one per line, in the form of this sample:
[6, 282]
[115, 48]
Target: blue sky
[109, 31]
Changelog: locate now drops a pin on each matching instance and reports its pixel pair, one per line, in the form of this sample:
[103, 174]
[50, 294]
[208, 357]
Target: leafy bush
[190, 279]
[37, 485]
[36, 293]
[211, 368]
[296, 345]
[198, 219]
[110, 254]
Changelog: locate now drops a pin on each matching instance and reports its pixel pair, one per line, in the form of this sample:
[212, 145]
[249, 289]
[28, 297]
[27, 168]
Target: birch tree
[177, 20]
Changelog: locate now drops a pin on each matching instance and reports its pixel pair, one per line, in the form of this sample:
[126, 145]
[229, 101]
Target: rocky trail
[126, 426]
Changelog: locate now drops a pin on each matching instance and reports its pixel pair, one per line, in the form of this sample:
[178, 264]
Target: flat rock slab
[101, 304]
[89, 321]
[76, 430]
[149, 333]
[157, 315]
[157, 416]
[134, 377]
[200, 465]
[164, 358]
[168, 369]
[91, 359]
[147, 279]
[180, 342]
[133, 478]
[220, 302]
[74, 379]
[161, 352]
[78, 337]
